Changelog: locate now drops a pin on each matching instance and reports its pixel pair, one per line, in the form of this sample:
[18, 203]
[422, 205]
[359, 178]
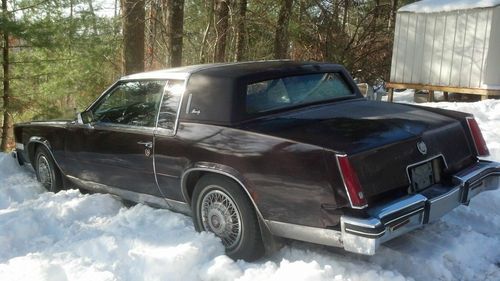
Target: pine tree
[133, 36]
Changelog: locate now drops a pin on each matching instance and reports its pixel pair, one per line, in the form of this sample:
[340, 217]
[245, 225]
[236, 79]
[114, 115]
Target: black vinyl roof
[242, 69]
[236, 70]
[215, 93]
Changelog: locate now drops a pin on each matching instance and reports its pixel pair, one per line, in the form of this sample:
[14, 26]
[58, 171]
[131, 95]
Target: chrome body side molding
[316, 235]
[124, 128]
[55, 124]
[137, 197]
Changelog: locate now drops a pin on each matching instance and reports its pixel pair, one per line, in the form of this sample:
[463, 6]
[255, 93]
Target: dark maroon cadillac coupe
[260, 150]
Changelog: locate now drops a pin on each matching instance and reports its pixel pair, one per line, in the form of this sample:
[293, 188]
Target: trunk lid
[379, 138]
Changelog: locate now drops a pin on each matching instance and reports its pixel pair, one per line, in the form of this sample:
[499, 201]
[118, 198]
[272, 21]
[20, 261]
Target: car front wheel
[47, 172]
[220, 206]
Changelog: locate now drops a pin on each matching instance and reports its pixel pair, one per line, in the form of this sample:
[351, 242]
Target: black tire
[248, 243]
[47, 173]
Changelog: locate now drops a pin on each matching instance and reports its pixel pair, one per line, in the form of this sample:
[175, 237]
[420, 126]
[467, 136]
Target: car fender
[220, 169]
[33, 141]
[271, 243]
[217, 169]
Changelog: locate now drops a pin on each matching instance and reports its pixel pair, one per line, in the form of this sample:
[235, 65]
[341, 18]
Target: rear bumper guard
[385, 222]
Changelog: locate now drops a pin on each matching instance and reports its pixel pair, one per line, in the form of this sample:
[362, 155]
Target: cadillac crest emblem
[422, 147]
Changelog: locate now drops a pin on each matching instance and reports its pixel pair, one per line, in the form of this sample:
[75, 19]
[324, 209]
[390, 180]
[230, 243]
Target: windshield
[295, 90]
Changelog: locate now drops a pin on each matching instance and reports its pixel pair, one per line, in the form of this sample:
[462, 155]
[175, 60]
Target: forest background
[59, 55]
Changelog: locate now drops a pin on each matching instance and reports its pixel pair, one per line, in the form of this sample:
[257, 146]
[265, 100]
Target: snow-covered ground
[70, 236]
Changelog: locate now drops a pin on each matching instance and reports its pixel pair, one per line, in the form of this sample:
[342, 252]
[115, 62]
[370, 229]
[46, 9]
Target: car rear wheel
[220, 206]
[47, 172]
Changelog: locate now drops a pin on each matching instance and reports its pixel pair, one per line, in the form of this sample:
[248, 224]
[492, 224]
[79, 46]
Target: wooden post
[390, 95]
[431, 96]
[446, 97]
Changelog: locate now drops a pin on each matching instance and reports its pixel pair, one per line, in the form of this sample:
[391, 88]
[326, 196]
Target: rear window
[295, 90]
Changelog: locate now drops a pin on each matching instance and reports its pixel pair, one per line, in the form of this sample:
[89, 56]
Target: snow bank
[434, 6]
[70, 236]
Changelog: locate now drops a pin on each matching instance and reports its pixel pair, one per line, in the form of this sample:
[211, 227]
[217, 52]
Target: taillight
[477, 137]
[351, 183]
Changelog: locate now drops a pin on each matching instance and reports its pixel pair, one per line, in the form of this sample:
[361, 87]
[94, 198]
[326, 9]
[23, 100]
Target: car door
[170, 152]
[114, 149]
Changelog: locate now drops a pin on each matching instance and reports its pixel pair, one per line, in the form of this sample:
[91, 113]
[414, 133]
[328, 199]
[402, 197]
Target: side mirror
[84, 117]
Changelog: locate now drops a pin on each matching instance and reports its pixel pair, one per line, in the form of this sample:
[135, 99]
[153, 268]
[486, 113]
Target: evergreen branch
[28, 7]
[36, 61]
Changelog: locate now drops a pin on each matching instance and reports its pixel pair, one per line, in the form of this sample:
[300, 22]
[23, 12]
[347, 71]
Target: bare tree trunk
[71, 29]
[281, 36]
[221, 29]
[392, 20]
[377, 10]
[116, 8]
[133, 36]
[329, 48]
[116, 27]
[210, 16]
[150, 30]
[92, 14]
[240, 30]
[7, 128]
[175, 27]
[344, 18]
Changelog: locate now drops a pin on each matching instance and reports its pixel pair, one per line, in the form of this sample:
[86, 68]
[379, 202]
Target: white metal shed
[448, 45]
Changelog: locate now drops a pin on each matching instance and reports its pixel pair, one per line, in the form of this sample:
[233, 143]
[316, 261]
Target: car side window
[130, 103]
[170, 104]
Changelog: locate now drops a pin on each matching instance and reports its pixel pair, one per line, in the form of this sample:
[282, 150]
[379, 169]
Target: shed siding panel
[492, 70]
[427, 54]
[486, 46]
[402, 59]
[395, 50]
[457, 48]
[437, 54]
[447, 50]
[458, 52]
[419, 49]
[410, 48]
[402, 42]
[470, 36]
[478, 49]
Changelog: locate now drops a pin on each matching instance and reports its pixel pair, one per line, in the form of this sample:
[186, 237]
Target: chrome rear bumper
[393, 219]
[385, 222]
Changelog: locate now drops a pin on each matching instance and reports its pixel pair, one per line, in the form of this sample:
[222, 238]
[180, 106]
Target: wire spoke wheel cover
[221, 206]
[45, 172]
[220, 215]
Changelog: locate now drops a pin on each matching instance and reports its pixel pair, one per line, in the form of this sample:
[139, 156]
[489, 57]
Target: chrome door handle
[146, 144]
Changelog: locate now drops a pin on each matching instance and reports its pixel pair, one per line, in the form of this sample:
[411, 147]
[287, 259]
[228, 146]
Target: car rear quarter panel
[289, 181]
